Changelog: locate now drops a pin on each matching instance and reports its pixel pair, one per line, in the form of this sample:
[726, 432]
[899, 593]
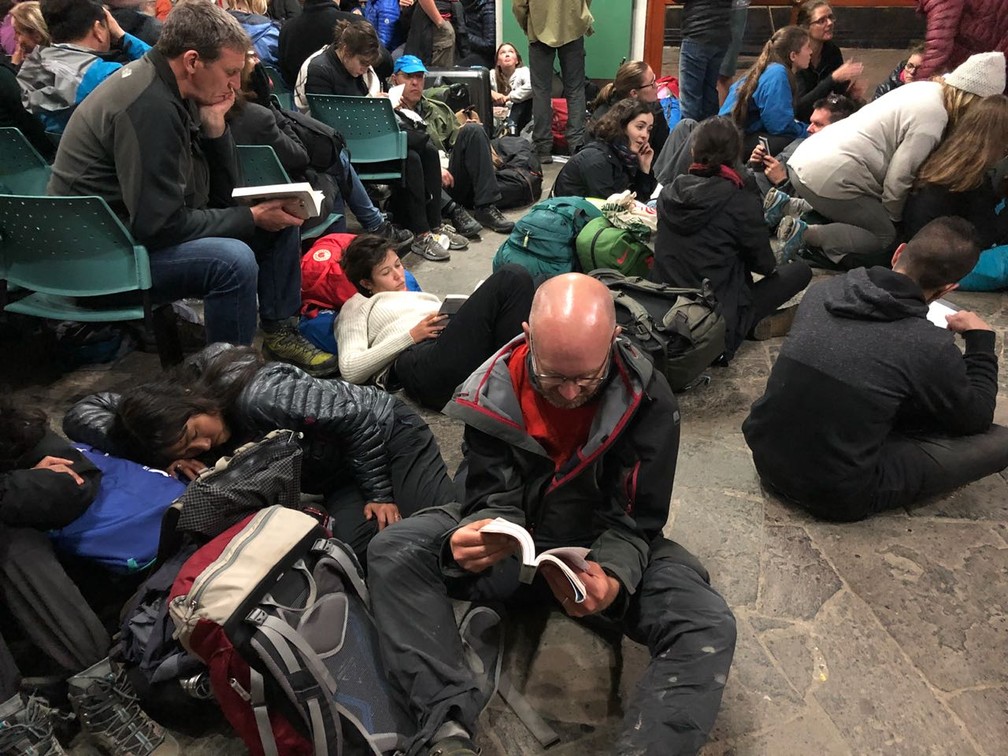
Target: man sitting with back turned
[869, 405]
[154, 143]
[571, 433]
[55, 78]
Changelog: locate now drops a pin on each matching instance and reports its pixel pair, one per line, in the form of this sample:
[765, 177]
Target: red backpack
[559, 125]
[324, 285]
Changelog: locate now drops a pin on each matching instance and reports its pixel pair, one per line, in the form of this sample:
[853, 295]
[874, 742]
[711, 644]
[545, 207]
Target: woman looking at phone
[390, 336]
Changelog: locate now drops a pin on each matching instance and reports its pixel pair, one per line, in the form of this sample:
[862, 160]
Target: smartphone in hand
[765, 144]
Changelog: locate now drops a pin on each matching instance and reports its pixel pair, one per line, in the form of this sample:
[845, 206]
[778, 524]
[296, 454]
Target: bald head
[571, 325]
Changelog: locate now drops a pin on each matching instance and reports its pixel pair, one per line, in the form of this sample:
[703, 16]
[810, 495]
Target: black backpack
[681, 330]
[520, 177]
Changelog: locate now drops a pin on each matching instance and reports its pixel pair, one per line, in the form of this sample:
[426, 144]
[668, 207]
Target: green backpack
[543, 240]
[601, 245]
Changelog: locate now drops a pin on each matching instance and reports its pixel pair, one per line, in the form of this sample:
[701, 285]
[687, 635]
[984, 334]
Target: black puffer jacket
[345, 426]
[709, 228]
[596, 171]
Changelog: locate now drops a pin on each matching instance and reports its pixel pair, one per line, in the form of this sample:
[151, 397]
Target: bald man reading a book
[572, 435]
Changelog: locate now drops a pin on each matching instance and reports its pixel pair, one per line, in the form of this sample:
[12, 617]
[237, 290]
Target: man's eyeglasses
[553, 381]
[822, 21]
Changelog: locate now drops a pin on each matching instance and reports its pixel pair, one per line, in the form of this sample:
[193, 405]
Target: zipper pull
[525, 240]
[237, 688]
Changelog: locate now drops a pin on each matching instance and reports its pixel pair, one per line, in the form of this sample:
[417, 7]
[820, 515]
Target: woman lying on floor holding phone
[394, 337]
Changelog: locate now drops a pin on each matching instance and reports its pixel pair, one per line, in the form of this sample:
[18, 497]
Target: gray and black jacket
[613, 496]
[136, 142]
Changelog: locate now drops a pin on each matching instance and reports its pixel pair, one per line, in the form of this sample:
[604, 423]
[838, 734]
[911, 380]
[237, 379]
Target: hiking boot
[775, 325]
[545, 158]
[455, 240]
[790, 235]
[111, 717]
[398, 238]
[456, 745]
[775, 206]
[428, 247]
[27, 729]
[491, 217]
[286, 344]
[464, 223]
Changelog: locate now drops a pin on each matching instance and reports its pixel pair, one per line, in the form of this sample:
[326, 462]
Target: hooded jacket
[861, 362]
[710, 228]
[613, 495]
[894, 81]
[264, 33]
[54, 79]
[345, 427]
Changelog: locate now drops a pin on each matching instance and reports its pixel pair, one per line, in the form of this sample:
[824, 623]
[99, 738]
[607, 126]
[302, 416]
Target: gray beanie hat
[982, 74]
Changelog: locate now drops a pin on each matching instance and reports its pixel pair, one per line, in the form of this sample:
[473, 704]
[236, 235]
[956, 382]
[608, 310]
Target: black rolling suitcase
[477, 81]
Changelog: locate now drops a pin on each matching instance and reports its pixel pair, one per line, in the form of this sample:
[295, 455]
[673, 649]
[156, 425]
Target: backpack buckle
[257, 617]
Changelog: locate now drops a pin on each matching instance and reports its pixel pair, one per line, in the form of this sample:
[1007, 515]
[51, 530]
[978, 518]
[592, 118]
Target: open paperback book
[564, 557]
[305, 202]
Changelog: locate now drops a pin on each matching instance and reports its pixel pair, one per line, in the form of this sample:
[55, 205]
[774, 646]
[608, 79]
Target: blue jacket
[771, 108]
[383, 15]
[55, 79]
[264, 33]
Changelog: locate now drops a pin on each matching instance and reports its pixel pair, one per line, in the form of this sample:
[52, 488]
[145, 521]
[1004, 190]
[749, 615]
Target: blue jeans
[229, 275]
[359, 202]
[699, 66]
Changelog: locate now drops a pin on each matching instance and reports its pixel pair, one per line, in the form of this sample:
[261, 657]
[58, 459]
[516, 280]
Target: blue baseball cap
[409, 64]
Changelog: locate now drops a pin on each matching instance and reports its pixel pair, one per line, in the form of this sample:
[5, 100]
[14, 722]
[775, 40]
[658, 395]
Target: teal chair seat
[22, 169]
[79, 263]
[368, 124]
[261, 167]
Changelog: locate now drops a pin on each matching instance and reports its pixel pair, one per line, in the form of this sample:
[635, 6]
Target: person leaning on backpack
[710, 226]
[44, 484]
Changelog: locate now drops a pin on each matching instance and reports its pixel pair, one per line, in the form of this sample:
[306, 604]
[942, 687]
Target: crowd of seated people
[569, 429]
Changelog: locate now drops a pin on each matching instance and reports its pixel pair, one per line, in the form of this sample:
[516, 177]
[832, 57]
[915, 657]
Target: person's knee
[515, 280]
[234, 269]
[683, 596]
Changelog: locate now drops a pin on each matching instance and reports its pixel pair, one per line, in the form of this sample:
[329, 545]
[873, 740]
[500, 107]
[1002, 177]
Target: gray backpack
[680, 329]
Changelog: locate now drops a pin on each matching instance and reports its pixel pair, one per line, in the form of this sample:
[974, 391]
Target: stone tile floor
[886, 636]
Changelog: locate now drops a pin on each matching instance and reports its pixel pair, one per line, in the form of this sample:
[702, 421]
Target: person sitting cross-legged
[870, 406]
[572, 433]
[153, 142]
[470, 178]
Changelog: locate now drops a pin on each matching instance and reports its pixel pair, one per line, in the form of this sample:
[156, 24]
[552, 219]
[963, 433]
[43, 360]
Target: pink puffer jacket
[958, 28]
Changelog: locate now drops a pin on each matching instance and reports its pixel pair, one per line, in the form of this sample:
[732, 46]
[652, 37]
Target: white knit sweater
[372, 331]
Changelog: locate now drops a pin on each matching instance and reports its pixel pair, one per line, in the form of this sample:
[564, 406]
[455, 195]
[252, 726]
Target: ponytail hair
[778, 49]
[629, 76]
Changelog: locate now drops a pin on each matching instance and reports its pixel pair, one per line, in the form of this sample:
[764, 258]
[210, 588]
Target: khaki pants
[443, 51]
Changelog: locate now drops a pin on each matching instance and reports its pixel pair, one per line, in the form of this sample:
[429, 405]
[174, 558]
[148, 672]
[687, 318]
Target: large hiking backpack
[542, 241]
[280, 614]
[602, 245]
[520, 176]
[681, 330]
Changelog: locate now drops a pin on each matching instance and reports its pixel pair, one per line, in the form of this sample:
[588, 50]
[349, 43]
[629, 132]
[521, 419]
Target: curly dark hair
[20, 432]
[612, 126]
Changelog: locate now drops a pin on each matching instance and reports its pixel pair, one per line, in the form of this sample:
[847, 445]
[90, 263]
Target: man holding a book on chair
[572, 436]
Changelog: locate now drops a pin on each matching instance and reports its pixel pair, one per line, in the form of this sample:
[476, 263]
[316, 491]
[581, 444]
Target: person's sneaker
[491, 217]
[286, 344]
[456, 745]
[111, 717]
[464, 223]
[399, 238]
[455, 239]
[790, 235]
[27, 728]
[775, 325]
[428, 247]
[775, 206]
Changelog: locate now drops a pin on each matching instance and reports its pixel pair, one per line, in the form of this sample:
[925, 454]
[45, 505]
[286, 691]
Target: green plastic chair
[261, 167]
[22, 169]
[67, 250]
[377, 146]
[281, 92]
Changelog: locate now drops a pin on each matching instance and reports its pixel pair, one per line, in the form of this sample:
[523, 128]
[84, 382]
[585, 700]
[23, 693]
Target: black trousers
[685, 624]
[417, 205]
[419, 480]
[471, 165]
[491, 317]
[47, 607]
[770, 292]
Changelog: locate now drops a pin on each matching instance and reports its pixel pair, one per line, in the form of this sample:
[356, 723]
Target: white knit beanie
[982, 74]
